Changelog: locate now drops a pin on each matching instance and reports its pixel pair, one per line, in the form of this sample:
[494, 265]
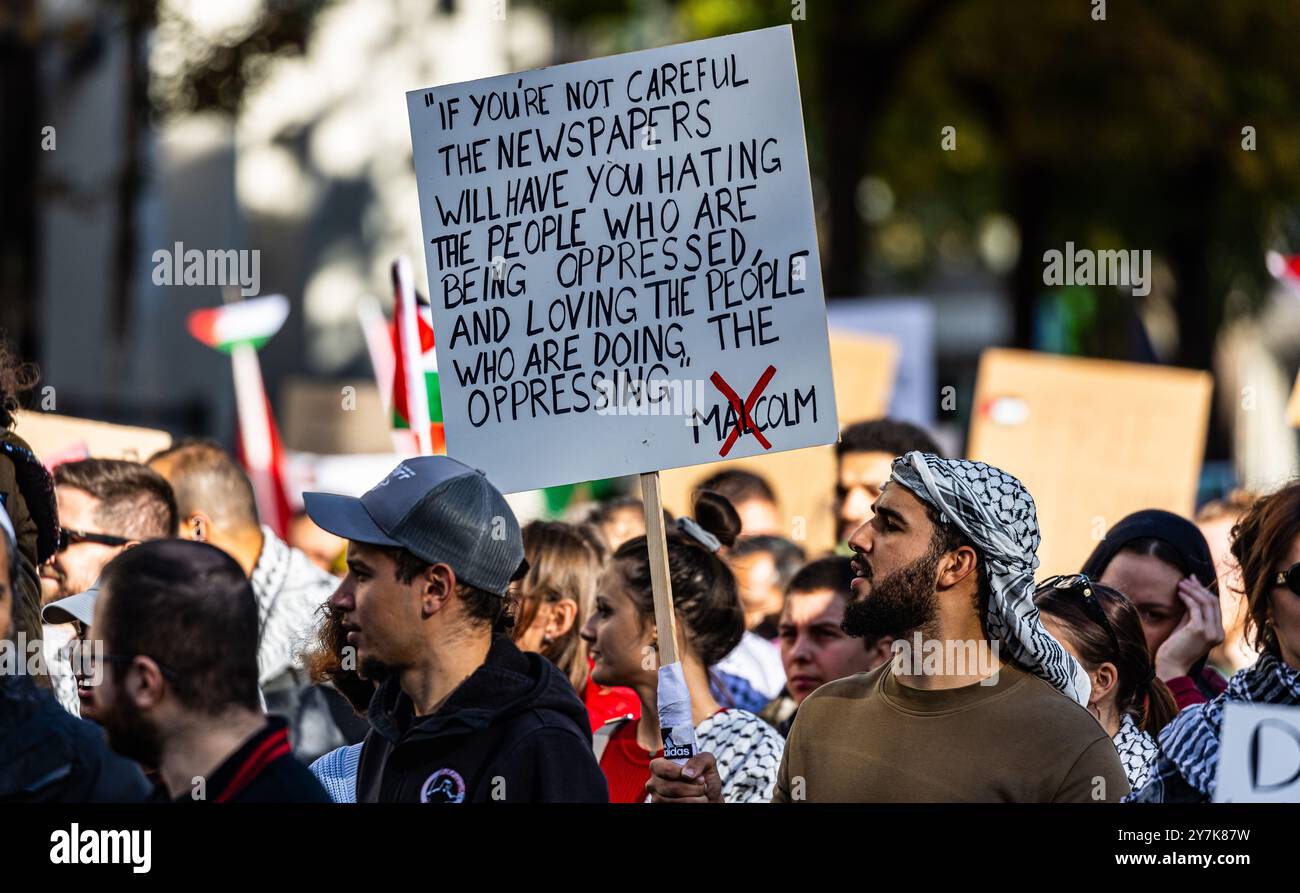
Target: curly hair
[1261, 543]
[16, 379]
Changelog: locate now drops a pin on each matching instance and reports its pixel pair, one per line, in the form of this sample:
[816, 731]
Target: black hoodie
[514, 731]
[47, 755]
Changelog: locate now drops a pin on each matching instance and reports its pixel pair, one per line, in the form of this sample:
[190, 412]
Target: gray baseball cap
[79, 607]
[439, 510]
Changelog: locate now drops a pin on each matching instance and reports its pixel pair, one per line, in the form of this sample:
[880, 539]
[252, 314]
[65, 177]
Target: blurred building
[313, 170]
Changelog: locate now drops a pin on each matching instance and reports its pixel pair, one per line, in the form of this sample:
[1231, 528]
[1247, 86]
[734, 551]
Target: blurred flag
[1286, 269]
[239, 329]
[417, 402]
[250, 322]
[379, 345]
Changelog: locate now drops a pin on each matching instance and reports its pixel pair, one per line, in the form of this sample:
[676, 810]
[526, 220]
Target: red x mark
[744, 424]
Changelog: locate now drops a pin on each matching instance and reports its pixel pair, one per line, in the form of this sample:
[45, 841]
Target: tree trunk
[20, 148]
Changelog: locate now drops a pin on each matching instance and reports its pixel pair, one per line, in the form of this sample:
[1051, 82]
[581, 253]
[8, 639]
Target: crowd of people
[418, 644]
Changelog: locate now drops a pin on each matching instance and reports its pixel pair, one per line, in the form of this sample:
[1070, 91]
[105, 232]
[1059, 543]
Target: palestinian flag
[417, 401]
[239, 329]
[251, 322]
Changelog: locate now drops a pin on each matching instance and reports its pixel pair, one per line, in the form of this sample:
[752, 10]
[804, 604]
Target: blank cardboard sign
[1259, 755]
[804, 480]
[334, 417]
[60, 438]
[1093, 440]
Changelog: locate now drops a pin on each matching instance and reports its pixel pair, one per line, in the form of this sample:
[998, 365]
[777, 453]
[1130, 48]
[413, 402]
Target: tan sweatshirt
[869, 738]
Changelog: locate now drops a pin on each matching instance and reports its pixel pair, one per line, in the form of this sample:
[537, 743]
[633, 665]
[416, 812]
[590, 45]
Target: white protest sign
[1259, 755]
[623, 263]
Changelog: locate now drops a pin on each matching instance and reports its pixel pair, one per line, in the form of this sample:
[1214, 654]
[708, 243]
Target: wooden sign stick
[660, 581]
[676, 726]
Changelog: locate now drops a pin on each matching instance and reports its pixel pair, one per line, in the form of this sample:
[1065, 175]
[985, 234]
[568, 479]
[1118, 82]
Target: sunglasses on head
[1081, 584]
[72, 537]
[1290, 578]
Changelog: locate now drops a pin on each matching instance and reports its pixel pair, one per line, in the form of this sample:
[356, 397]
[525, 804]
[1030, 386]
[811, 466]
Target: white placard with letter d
[1259, 755]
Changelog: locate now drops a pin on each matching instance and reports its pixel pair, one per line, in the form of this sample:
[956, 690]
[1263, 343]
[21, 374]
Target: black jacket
[263, 770]
[47, 755]
[513, 731]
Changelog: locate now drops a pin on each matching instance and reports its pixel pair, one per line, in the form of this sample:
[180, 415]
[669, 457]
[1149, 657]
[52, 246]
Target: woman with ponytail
[1103, 631]
[622, 638]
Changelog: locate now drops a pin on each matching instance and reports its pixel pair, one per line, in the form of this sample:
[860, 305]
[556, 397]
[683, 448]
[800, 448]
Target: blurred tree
[1122, 132]
[20, 148]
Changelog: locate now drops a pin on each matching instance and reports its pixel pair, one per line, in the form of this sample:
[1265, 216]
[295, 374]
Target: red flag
[417, 403]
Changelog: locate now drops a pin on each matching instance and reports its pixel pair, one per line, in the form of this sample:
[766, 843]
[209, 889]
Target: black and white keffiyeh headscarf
[1189, 746]
[996, 513]
[1137, 750]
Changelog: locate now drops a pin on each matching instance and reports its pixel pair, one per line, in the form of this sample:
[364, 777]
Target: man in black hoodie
[461, 715]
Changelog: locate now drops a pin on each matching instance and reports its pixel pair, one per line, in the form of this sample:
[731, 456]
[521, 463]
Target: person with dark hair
[815, 649]
[863, 456]
[764, 567]
[751, 676]
[105, 506]
[1101, 628]
[1162, 564]
[752, 497]
[622, 633]
[1266, 546]
[217, 506]
[619, 520]
[27, 495]
[178, 625]
[980, 703]
[461, 714]
[46, 754]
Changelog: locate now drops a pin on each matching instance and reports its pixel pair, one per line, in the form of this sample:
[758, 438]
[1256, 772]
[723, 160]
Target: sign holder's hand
[696, 782]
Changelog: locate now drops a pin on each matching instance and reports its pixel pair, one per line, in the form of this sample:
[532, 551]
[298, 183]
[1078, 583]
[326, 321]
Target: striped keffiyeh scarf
[1190, 744]
[996, 513]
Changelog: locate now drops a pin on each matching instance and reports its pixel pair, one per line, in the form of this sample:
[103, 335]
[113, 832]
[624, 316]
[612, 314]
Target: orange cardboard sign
[59, 438]
[1093, 440]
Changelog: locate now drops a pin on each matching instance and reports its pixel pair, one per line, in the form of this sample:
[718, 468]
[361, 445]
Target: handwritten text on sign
[618, 251]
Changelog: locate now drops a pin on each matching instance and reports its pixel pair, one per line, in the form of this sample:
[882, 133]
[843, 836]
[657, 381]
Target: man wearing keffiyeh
[946, 565]
[995, 513]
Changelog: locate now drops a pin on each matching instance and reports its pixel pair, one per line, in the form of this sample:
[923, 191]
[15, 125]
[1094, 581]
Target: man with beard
[990, 712]
[47, 755]
[178, 625]
[461, 715]
[105, 506]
